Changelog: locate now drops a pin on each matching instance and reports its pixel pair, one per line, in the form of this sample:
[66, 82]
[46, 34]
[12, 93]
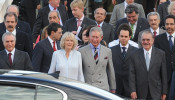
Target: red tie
[10, 59]
[55, 9]
[155, 33]
[98, 25]
[54, 48]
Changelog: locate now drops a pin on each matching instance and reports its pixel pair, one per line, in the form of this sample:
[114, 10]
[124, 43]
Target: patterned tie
[147, 60]
[54, 48]
[124, 51]
[171, 42]
[96, 55]
[132, 29]
[10, 59]
[155, 33]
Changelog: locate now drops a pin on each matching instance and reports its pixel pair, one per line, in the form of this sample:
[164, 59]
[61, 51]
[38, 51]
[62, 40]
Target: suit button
[88, 66]
[92, 74]
[100, 82]
[99, 74]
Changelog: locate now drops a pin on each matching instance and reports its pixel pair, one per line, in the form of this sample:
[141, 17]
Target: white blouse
[71, 67]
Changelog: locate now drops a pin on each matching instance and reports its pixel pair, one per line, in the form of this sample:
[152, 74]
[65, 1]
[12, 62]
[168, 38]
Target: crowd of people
[132, 56]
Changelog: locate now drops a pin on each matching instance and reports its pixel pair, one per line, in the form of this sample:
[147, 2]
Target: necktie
[10, 59]
[55, 9]
[155, 33]
[54, 48]
[124, 51]
[171, 42]
[78, 23]
[96, 55]
[147, 60]
[98, 25]
[132, 29]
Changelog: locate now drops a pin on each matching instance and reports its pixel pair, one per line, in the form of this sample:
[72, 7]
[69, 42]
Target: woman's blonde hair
[170, 7]
[68, 35]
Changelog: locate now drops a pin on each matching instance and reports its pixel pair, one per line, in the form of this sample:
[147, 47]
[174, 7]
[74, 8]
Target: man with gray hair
[136, 23]
[12, 58]
[97, 62]
[148, 72]
[154, 21]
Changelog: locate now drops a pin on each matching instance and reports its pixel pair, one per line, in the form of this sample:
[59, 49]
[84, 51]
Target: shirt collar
[100, 23]
[127, 46]
[50, 40]
[149, 51]
[92, 47]
[153, 30]
[135, 24]
[13, 51]
[169, 34]
[14, 32]
[80, 18]
[51, 8]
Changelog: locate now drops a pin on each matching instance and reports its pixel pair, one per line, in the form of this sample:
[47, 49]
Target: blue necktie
[124, 52]
[171, 42]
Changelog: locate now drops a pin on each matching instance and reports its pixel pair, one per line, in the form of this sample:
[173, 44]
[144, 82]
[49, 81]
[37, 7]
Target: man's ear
[101, 37]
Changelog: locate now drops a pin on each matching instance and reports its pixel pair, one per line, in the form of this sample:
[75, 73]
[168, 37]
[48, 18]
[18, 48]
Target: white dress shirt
[116, 42]
[51, 42]
[69, 67]
[14, 32]
[172, 37]
[127, 46]
[149, 52]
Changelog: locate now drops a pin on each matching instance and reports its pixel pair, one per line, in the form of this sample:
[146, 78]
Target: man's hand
[163, 96]
[74, 32]
[134, 95]
[114, 2]
[113, 91]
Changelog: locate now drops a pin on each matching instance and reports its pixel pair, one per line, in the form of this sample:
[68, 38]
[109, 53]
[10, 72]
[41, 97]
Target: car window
[16, 93]
[43, 93]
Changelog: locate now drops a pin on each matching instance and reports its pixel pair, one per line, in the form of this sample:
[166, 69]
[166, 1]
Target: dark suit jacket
[42, 56]
[42, 19]
[71, 24]
[108, 32]
[161, 42]
[172, 88]
[155, 79]
[142, 24]
[22, 42]
[21, 61]
[163, 9]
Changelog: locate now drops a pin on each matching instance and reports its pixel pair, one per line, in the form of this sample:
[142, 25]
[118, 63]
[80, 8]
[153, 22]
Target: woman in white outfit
[67, 60]
[3, 6]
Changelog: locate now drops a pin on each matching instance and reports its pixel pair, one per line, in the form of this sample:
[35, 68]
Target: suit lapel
[142, 58]
[128, 52]
[74, 23]
[118, 50]
[5, 57]
[165, 42]
[153, 57]
[122, 9]
[101, 56]
[90, 55]
[16, 59]
[48, 45]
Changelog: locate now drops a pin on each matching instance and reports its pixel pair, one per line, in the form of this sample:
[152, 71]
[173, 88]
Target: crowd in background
[131, 53]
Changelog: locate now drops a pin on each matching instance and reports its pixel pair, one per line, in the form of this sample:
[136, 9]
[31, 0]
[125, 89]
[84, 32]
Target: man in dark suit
[108, 31]
[79, 20]
[12, 58]
[22, 39]
[172, 88]
[121, 54]
[148, 75]
[44, 49]
[30, 7]
[154, 20]
[42, 18]
[21, 25]
[136, 24]
[163, 9]
[165, 42]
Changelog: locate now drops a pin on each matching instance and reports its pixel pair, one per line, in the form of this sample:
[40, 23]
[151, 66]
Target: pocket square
[106, 57]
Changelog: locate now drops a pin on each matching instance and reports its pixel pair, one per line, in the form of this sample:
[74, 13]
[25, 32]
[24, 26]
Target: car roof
[66, 81]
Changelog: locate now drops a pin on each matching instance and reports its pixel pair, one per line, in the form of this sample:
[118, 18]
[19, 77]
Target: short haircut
[131, 8]
[170, 7]
[96, 28]
[77, 3]
[53, 27]
[125, 27]
[152, 14]
[55, 12]
[44, 32]
[147, 32]
[170, 16]
[7, 34]
[68, 35]
[10, 14]
[13, 6]
[101, 8]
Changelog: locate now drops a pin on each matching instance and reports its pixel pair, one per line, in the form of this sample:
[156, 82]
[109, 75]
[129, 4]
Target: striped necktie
[96, 55]
[132, 29]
